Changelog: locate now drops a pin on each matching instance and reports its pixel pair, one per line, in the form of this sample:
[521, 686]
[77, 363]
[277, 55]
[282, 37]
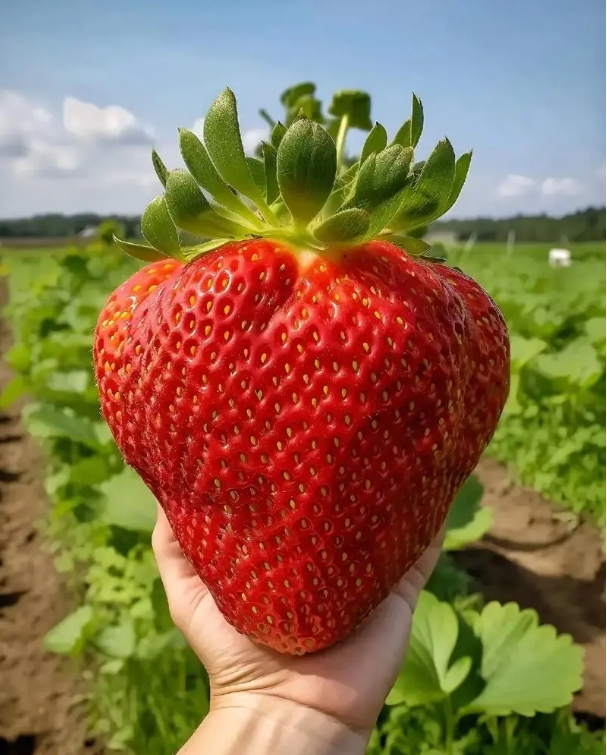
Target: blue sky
[522, 83]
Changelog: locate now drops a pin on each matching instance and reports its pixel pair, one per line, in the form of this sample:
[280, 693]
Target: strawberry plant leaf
[46, 421]
[200, 165]
[355, 105]
[467, 521]
[527, 667]
[158, 228]
[376, 141]
[345, 226]
[306, 164]
[69, 635]
[12, 391]
[128, 502]
[117, 641]
[427, 674]
[224, 145]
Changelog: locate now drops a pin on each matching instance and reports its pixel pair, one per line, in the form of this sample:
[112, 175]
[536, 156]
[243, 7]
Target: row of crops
[479, 678]
[553, 429]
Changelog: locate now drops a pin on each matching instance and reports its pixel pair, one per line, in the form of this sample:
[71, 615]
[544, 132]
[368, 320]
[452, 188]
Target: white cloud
[20, 119]
[112, 123]
[252, 137]
[107, 144]
[566, 187]
[48, 160]
[515, 185]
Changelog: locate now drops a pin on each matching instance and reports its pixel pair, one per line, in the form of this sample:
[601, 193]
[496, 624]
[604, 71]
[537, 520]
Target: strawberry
[305, 392]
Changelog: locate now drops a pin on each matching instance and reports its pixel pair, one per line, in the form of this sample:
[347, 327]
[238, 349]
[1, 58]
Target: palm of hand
[348, 682]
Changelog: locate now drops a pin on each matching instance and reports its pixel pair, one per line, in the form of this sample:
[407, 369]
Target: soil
[545, 558]
[535, 554]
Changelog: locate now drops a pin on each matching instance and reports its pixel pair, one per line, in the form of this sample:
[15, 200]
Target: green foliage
[460, 685]
[403, 730]
[108, 229]
[553, 429]
[101, 514]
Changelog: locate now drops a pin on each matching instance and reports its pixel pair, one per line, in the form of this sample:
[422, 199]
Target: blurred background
[89, 660]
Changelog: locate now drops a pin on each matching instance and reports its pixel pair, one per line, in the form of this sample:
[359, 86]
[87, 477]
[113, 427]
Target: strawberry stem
[340, 143]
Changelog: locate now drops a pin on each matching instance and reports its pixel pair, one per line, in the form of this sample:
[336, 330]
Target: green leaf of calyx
[158, 228]
[403, 135]
[160, 168]
[462, 166]
[382, 175]
[346, 226]
[200, 165]
[426, 198]
[140, 251]
[269, 159]
[224, 145]
[408, 135]
[306, 164]
[376, 141]
[192, 252]
[417, 120]
[277, 133]
[258, 173]
[191, 211]
[381, 184]
[414, 247]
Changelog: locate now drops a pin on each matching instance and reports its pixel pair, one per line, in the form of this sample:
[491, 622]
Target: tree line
[584, 225]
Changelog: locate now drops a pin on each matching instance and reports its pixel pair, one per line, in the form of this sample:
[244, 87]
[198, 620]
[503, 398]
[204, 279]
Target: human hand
[342, 688]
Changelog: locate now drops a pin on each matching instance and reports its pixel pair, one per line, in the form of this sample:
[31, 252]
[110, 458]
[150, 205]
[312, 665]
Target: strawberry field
[483, 675]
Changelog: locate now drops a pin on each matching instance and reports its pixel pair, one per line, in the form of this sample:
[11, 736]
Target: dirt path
[39, 712]
[542, 558]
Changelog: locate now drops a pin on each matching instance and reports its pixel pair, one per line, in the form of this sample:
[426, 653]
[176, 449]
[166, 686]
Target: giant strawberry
[306, 392]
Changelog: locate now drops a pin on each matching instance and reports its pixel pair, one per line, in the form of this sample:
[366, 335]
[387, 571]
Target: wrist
[263, 724]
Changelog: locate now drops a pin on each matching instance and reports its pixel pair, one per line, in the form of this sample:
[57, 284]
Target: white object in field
[511, 241]
[470, 242]
[559, 258]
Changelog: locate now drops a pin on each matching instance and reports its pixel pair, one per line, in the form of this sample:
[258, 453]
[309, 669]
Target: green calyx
[298, 189]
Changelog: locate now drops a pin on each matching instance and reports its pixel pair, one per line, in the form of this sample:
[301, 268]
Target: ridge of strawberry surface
[305, 427]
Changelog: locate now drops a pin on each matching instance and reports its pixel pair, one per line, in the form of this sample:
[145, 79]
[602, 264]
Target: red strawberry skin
[305, 421]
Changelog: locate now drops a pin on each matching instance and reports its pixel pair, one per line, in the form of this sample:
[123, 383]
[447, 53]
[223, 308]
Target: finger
[183, 588]
[416, 578]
